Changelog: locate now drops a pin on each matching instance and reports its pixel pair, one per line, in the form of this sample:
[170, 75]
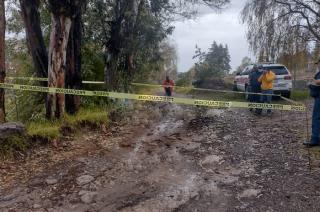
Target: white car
[282, 84]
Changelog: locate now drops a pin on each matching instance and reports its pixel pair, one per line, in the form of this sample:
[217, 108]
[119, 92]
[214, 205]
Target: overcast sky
[224, 28]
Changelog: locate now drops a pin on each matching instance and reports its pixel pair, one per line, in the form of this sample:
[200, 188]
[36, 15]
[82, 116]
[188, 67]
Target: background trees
[37, 48]
[2, 58]
[116, 40]
[281, 26]
[131, 32]
[213, 64]
[244, 63]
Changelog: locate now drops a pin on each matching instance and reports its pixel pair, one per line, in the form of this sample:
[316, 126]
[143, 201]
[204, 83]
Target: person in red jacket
[168, 85]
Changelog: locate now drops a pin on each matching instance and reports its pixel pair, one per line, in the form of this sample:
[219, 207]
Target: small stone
[11, 129]
[125, 144]
[88, 197]
[51, 181]
[36, 206]
[211, 160]
[227, 137]
[249, 193]
[85, 179]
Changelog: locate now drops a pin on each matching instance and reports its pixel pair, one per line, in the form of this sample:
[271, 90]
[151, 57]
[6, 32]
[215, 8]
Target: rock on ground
[85, 179]
[11, 129]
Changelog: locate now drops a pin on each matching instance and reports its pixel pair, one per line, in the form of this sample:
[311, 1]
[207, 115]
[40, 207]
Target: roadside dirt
[171, 158]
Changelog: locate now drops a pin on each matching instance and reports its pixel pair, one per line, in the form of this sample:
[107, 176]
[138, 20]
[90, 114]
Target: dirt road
[173, 158]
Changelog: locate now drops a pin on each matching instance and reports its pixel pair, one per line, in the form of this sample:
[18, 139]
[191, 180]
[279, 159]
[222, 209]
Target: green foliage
[92, 62]
[9, 146]
[48, 130]
[185, 79]
[154, 65]
[18, 103]
[91, 115]
[44, 129]
[14, 20]
[300, 95]
[280, 27]
[214, 64]
[136, 31]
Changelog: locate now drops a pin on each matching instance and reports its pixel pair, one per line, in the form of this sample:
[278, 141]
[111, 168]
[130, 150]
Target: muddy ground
[171, 158]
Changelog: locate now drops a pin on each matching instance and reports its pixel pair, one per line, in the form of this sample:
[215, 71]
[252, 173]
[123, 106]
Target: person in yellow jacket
[267, 79]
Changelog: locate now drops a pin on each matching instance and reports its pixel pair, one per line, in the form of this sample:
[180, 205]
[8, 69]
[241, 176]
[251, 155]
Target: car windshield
[278, 70]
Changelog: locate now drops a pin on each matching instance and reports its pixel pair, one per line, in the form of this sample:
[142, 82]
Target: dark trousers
[255, 97]
[316, 122]
[168, 91]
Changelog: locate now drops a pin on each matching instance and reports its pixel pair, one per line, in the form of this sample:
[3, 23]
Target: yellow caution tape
[28, 78]
[152, 98]
[150, 85]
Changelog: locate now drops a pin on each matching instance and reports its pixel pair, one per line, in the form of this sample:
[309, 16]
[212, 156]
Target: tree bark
[59, 37]
[73, 71]
[62, 15]
[122, 35]
[112, 55]
[36, 45]
[2, 59]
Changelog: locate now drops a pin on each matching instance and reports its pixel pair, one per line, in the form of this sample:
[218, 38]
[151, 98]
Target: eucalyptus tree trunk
[113, 48]
[61, 25]
[73, 70]
[36, 45]
[131, 28]
[63, 14]
[2, 59]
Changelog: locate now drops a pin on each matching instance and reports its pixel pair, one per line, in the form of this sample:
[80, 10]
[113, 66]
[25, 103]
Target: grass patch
[218, 96]
[10, 146]
[146, 90]
[300, 95]
[183, 90]
[88, 115]
[44, 129]
[50, 130]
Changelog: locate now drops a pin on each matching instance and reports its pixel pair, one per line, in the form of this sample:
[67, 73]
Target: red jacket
[169, 84]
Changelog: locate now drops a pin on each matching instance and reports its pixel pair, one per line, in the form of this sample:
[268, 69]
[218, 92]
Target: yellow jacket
[267, 80]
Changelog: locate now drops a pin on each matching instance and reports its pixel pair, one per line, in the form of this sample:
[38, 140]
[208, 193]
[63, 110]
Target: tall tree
[2, 58]
[36, 45]
[244, 63]
[213, 64]
[278, 26]
[132, 28]
[62, 13]
[73, 69]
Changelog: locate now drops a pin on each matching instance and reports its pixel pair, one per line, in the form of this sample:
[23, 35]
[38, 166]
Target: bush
[10, 146]
[44, 129]
[49, 130]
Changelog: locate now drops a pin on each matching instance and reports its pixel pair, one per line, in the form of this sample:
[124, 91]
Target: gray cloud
[224, 27]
